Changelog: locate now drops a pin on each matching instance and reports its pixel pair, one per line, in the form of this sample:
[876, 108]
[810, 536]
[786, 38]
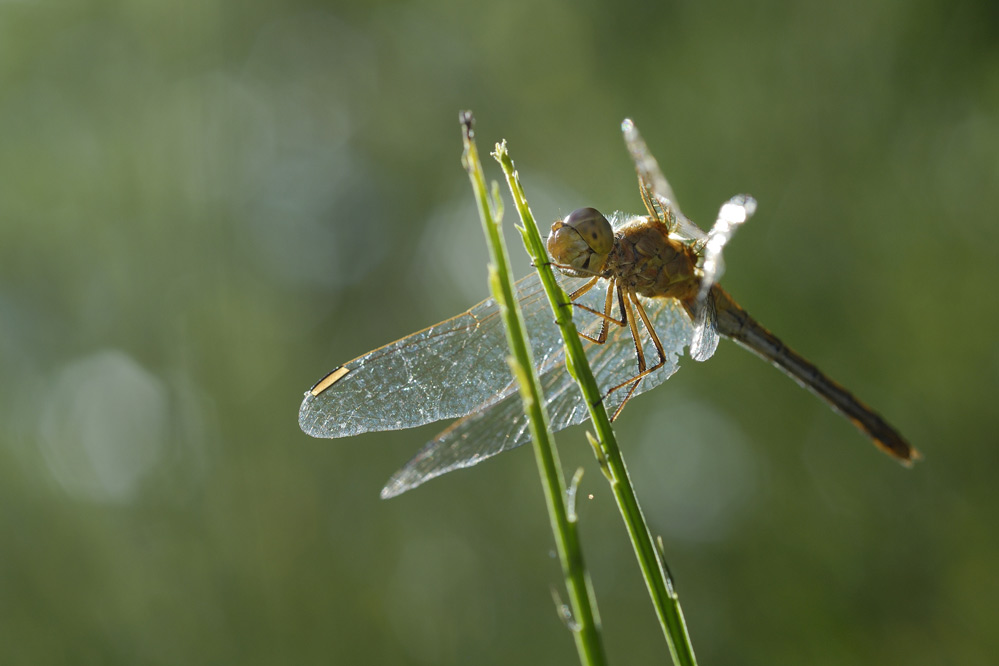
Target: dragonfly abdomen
[736, 324]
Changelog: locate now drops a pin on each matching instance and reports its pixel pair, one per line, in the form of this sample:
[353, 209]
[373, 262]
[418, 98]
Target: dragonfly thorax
[647, 260]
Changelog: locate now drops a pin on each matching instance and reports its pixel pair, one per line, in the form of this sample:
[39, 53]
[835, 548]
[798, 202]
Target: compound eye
[593, 228]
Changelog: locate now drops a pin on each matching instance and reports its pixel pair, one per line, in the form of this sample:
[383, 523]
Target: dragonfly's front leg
[606, 317]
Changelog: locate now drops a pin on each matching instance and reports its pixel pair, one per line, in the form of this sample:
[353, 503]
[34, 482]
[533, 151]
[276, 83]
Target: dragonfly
[642, 287]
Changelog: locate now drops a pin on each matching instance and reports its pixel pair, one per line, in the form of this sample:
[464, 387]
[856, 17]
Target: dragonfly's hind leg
[633, 304]
[627, 306]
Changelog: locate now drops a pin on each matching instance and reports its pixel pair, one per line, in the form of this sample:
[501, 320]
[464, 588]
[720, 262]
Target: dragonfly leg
[579, 292]
[582, 290]
[624, 402]
[585, 288]
[639, 352]
[606, 317]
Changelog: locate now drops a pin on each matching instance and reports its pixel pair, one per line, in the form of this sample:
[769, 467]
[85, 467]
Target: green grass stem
[650, 557]
[584, 621]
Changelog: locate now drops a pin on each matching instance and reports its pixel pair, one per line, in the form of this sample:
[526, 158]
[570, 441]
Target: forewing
[501, 424]
[651, 178]
[441, 372]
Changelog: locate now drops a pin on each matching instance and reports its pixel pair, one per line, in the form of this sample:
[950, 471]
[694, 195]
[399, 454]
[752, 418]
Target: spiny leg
[585, 288]
[642, 370]
[580, 292]
[605, 316]
[639, 352]
[627, 307]
[652, 333]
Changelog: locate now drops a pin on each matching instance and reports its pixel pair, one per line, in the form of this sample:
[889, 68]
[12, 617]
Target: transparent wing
[501, 425]
[445, 371]
[731, 216]
[736, 211]
[704, 341]
[651, 177]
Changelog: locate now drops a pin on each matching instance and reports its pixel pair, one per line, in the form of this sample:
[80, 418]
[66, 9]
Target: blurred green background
[204, 206]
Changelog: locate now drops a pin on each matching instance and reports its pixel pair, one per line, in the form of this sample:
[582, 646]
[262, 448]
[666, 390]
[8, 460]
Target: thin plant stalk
[582, 619]
[649, 553]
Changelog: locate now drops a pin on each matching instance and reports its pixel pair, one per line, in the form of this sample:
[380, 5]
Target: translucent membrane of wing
[704, 341]
[441, 372]
[457, 368]
[501, 424]
[652, 176]
[731, 216]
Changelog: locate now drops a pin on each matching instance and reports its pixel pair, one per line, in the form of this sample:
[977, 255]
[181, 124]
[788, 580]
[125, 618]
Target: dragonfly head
[582, 241]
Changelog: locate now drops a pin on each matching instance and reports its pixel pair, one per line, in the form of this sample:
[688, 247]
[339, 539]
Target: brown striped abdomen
[736, 324]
